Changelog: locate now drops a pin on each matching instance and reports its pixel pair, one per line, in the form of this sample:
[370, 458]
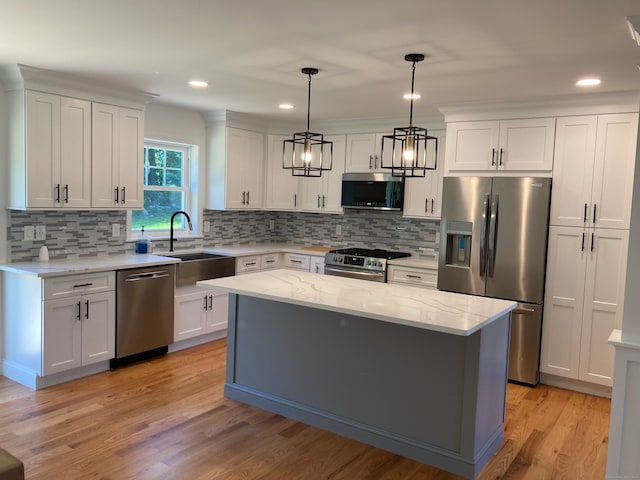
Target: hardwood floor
[167, 419]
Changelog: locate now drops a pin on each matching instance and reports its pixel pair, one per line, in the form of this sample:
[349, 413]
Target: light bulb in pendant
[409, 153]
[307, 156]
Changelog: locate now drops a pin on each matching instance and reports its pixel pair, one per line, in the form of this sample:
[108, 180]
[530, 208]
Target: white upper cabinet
[522, 145]
[117, 151]
[236, 169]
[57, 155]
[422, 195]
[363, 153]
[324, 194]
[281, 192]
[593, 170]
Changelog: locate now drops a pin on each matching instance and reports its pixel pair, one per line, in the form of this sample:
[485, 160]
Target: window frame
[186, 190]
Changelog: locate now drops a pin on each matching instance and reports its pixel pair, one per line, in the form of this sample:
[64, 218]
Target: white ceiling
[251, 51]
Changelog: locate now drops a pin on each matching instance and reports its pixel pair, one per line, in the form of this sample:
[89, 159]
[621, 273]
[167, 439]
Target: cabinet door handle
[57, 188]
[375, 162]
[117, 191]
[248, 198]
[582, 248]
[323, 201]
[210, 302]
[595, 206]
[206, 305]
[432, 205]
[584, 220]
[493, 157]
[500, 162]
[370, 162]
[86, 313]
[593, 240]
[123, 195]
[66, 193]
[78, 305]
[317, 268]
[318, 201]
[295, 199]
[426, 205]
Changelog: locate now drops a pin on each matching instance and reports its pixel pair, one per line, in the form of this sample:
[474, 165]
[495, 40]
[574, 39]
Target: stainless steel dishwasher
[144, 312]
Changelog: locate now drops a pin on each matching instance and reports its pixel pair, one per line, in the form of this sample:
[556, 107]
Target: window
[166, 188]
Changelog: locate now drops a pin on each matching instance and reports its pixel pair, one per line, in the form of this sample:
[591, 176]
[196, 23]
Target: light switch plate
[272, 225]
[115, 230]
[206, 226]
[29, 232]
[338, 230]
[41, 232]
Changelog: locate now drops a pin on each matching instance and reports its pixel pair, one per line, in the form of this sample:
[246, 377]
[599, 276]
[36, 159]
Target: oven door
[355, 273]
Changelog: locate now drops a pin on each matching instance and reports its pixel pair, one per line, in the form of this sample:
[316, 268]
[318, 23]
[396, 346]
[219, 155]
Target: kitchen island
[417, 372]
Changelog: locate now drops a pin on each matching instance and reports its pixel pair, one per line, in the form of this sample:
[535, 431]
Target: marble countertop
[445, 312]
[55, 268]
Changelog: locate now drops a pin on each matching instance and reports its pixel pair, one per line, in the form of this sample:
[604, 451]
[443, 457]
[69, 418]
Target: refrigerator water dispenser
[458, 249]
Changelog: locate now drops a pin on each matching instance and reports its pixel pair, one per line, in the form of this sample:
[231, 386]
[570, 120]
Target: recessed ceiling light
[198, 83]
[408, 96]
[286, 106]
[588, 82]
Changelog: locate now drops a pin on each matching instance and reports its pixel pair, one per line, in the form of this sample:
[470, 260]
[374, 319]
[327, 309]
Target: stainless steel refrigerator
[493, 243]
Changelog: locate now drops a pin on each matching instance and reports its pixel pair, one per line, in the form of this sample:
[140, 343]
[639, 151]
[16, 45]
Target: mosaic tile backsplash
[76, 234]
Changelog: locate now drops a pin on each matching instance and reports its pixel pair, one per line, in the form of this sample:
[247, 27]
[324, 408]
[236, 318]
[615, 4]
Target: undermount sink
[194, 267]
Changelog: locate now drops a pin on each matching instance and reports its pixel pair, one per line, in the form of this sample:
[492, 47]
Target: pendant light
[405, 152]
[307, 154]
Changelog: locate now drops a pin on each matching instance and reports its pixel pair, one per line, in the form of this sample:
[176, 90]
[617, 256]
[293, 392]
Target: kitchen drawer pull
[250, 264]
[86, 313]
[78, 317]
[417, 277]
[270, 261]
[66, 193]
[80, 285]
[293, 260]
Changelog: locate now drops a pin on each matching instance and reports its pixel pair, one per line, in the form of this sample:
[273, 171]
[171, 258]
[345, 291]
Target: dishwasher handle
[146, 276]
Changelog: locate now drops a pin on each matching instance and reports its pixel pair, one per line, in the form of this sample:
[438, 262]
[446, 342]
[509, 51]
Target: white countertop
[417, 307]
[55, 268]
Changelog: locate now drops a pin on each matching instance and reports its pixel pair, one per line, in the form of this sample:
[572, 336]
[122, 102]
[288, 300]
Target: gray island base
[432, 396]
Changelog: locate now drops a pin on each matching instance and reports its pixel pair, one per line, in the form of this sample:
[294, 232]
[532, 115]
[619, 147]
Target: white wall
[4, 178]
[168, 123]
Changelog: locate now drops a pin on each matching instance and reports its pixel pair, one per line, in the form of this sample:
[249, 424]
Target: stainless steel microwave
[374, 191]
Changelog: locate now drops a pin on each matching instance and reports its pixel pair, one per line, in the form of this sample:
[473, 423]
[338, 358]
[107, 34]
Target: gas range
[363, 263]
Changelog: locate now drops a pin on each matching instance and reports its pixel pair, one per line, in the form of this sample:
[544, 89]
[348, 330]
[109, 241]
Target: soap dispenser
[141, 243]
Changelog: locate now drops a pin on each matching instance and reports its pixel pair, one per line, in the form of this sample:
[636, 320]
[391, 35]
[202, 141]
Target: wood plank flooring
[167, 418]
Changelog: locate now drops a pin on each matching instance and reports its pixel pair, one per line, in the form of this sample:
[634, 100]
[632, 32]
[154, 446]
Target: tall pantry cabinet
[588, 241]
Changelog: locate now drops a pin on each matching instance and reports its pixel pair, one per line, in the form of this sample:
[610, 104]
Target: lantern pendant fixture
[307, 154]
[406, 151]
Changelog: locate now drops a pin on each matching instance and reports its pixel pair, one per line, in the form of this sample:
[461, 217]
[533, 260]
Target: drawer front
[413, 276]
[69, 285]
[247, 264]
[299, 262]
[270, 260]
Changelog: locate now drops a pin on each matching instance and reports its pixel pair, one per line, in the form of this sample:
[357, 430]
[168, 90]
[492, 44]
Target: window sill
[166, 238]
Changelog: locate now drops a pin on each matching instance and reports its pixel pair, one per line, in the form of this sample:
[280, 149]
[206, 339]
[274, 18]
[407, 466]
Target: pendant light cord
[413, 77]
[309, 104]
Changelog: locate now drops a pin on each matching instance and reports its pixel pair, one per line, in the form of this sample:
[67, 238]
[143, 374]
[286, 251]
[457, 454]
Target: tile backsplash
[75, 234]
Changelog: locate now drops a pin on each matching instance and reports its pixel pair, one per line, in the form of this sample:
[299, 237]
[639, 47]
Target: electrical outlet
[115, 230]
[29, 232]
[438, 237]
[41, 232]
[272, 225]
[338, 230]
[206, 226]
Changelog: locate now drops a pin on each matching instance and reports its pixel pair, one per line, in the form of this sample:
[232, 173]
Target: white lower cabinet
[586, 270]
[199, 312]
[78, 331]
[316, 265]
[415, 276]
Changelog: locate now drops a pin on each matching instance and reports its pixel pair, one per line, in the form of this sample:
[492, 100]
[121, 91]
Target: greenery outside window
[166, 189]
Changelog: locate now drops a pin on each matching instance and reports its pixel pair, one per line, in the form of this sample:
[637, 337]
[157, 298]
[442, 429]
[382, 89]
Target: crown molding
[565, 105]
[18, 77]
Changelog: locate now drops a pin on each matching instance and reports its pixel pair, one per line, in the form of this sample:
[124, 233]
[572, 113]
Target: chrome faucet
[171, 228]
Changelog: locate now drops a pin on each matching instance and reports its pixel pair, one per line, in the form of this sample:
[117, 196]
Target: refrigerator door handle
[483, 235]
[493, 226]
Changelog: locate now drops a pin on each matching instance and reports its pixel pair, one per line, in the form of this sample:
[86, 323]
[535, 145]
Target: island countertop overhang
[444, 312]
